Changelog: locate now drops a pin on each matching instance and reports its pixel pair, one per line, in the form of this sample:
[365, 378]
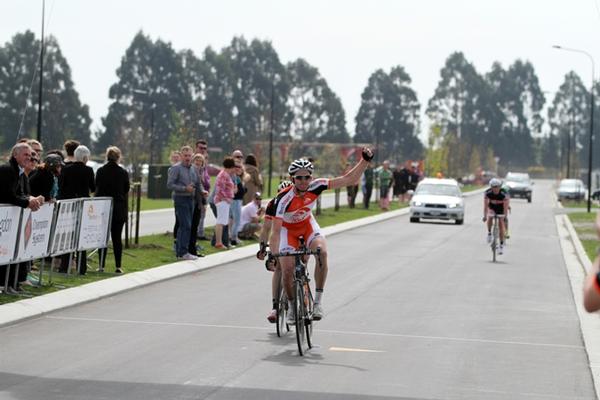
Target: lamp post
[271, 137]
[39, 117]
[591, 138]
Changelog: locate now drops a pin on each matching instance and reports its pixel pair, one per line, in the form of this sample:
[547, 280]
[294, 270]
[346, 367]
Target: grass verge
[583, 222]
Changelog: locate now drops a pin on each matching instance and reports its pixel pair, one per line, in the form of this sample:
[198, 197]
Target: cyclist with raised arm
[495, 202]
[294, 219]
[262, 252]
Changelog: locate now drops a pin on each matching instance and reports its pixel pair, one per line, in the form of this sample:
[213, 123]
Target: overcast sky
[347, 40]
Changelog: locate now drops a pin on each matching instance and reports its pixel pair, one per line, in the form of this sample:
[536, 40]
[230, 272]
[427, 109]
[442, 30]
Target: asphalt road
[413, 311]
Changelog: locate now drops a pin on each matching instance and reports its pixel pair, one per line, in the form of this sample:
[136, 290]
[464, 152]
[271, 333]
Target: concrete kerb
[19, 311]
[578, 265]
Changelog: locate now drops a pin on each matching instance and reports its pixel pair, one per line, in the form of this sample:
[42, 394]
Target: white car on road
[437, 199]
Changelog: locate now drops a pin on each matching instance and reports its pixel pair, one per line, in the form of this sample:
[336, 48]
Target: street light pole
[271, 138]
[39, 119]
[591, 136]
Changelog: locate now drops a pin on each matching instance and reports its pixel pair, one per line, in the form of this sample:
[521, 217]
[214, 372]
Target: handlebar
[305, 252]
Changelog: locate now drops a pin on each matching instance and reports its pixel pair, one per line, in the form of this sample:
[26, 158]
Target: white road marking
[326, 331]
[355, 350]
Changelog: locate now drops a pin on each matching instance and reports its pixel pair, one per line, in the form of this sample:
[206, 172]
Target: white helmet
[495, 182]
[299, 164]
[283, 185]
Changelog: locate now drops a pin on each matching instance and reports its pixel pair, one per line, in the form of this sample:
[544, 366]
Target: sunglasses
[302, 177]
[203, 148]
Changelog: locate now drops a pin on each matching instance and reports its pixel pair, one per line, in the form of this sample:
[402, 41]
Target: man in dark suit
[14, 184]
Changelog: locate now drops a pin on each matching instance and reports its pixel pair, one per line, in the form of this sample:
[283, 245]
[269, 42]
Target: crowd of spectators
[31, 178]
[234, 199]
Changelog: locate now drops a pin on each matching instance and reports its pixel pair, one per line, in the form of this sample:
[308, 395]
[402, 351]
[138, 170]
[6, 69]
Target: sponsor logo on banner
[5, 224]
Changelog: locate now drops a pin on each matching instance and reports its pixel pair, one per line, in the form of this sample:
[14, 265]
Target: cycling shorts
[289, 235]
[491, 214]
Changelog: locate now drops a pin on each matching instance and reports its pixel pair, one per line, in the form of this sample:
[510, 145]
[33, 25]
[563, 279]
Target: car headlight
[453, 205]
[416, 204]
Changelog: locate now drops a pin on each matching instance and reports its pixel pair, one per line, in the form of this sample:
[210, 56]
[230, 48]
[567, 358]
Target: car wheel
[529, 199]
[459, 222]
[414, 219]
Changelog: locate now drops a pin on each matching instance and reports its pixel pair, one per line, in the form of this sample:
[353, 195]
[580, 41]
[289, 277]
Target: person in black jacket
[14, 181]
[76, 180]
[15, 191]
[44, 180]
[113, 181]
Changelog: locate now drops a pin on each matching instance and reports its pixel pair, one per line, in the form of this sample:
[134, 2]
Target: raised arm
[352, 177]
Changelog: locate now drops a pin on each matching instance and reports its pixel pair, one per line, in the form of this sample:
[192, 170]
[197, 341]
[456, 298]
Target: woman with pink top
[224, 192]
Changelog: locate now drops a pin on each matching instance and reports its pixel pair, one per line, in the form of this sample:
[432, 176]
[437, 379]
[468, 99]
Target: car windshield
[439, 190]
[517, 178]
[571, 184]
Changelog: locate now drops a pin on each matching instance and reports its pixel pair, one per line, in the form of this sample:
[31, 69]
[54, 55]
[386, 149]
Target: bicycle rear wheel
[309, 302]
[495, 240]
[300, 313]
[282, 306]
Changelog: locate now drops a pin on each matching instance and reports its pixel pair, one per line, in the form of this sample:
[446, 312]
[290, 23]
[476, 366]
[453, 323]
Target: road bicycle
[495, 235]
[303, 297]
[281, 326]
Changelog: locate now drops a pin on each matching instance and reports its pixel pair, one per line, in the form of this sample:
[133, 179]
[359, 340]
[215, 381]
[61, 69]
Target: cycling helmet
[283, 185]
[299, 164]
[495, 183]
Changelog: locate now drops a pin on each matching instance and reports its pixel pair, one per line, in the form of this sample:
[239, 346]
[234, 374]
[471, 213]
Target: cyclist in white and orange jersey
[294, 219]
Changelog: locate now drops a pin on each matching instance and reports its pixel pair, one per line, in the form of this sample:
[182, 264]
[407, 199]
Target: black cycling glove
[365, 154]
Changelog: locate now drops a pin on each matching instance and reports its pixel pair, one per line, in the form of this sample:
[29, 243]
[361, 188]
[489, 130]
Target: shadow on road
[25, 387]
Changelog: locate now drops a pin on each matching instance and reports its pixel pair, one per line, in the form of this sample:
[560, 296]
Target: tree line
[239, 95]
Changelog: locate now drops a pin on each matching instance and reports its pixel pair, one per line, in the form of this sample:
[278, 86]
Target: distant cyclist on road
[294, 218]
[495, 202]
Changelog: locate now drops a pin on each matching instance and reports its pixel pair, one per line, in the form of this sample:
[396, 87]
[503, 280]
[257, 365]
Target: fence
[59, 228]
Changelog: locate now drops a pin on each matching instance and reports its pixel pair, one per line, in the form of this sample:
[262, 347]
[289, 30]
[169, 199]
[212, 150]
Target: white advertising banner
[34, 234]
[64, 239]
[95, 221]
[9, 230]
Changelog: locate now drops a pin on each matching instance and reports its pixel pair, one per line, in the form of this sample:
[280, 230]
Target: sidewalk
[578, 265]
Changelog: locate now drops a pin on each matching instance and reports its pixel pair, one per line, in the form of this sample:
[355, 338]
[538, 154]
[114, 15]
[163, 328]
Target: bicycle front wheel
[308, 323]
[282, 326]
[300, 313]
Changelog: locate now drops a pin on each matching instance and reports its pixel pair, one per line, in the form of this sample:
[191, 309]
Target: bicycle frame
[495, 237]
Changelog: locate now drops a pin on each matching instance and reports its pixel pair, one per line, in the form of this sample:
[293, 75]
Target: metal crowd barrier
[58, 228]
